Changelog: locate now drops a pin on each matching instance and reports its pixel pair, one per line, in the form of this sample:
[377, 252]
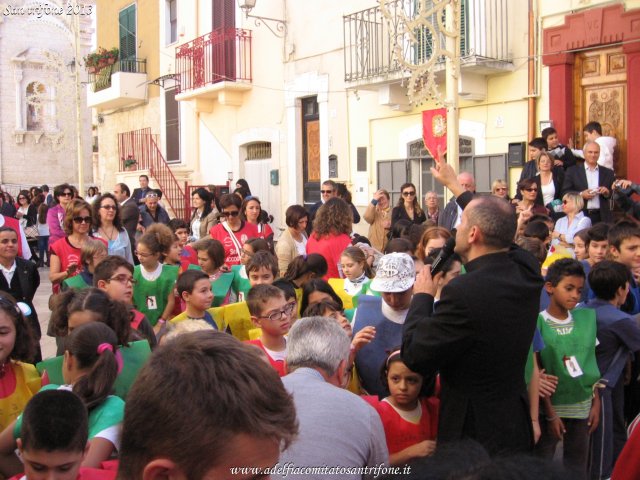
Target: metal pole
[76, 77]
[452, 71]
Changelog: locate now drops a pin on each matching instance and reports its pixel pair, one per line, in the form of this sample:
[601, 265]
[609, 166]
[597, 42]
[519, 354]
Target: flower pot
[130, 168]
[111, 61]
[91, 69]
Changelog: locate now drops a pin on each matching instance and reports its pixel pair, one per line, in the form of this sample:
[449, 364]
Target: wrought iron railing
[369, 38]
[142, 146]
[221, 55]
[101, 79]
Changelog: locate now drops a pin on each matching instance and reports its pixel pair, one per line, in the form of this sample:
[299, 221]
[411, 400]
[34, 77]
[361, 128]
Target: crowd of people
[494, 329]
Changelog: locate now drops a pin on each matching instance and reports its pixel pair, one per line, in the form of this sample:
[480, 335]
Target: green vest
[241, 284]
[561, 344]
[150, 298]
[76, 282]
[220, 287]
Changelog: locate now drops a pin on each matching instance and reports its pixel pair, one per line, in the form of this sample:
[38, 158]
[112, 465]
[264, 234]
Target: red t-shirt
[278, 365]
[331, 248]
[231, 254]
[400, 433]
[68, 254]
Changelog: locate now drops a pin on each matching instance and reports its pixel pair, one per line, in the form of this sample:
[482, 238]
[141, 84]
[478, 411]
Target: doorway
[310, 150]
[600, 92]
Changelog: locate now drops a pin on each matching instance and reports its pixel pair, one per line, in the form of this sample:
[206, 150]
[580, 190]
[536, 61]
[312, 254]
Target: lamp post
[280, 26]
[229, 178]
[76, 78]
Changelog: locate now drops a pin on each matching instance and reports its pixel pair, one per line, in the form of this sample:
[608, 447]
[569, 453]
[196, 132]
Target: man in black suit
[19, 278]
[479, 334]
[139, 194]
[129, 212]
[593, 182]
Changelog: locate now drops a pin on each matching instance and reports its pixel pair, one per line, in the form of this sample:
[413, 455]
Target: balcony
[118, 85]
[214, 67]
[369, 41]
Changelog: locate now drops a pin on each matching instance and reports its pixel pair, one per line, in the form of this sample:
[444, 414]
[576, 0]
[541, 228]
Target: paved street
[41, 302]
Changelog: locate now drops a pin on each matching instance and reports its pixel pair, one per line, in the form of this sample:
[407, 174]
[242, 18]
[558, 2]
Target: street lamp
[230, 174]
[279, 25]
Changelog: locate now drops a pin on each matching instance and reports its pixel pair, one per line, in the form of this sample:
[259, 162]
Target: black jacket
[575, 180]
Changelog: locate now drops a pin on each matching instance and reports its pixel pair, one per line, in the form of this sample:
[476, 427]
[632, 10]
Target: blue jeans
[43, 246]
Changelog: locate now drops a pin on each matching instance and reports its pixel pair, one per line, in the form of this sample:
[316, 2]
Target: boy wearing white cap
[394, 280]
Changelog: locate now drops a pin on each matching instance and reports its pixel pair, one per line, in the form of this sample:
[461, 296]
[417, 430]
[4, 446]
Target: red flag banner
[434, 130]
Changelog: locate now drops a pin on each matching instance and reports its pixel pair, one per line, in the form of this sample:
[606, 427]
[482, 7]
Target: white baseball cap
[396, 273]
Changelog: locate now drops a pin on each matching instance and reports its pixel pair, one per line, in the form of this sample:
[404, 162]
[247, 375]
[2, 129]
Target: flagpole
[452, 71]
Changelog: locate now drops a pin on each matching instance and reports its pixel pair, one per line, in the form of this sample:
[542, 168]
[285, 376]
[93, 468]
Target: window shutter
[127, 25]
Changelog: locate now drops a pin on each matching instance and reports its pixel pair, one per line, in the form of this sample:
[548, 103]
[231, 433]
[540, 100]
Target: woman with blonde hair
[574, 221]
[408, 207]
[500, 189]
[378, 216]
[331, 233]
[432, 238]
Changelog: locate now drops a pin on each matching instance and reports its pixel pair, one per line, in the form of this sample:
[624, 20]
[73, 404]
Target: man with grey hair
[479, 333]
[452, 213]
[593, 182]
[337, 429]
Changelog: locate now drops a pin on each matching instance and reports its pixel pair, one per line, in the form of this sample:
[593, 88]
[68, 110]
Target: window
[258, 150]
[38, 104]
[172, 126]
[127, 29]
[171, 12]
[424, 36]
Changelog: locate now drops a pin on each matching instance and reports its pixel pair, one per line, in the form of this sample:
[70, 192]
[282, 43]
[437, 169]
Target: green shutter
[127, 25]
[424, 37]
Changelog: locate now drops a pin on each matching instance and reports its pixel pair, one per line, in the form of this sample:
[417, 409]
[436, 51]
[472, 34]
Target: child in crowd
[562, 154]
[241, 284]
[289, 290]
[211, 260]
[173, 254]
[597, 248]
[539, 230]
[316, 290]
[188, 255]
[569, 335]
[618, 337]
[357, 275]
[91, 305]
[305, 267]
[89, 370]
[243, 418]
[91, 254]
[114, 276]
[624, 248]
[194, 288]
[153, 290]
[450, 269]
[20, 379]
[409, 413]
[54, 437]
[262, 269]
[272, 313]
[43, 235]
[580, 241]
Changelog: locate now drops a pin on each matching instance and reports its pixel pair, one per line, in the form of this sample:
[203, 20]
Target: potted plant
[130, 163]
[103, 59]
[112, 55]
[91, 62]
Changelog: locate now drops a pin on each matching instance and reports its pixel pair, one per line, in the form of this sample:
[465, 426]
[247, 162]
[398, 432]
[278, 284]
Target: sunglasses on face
[530, 190]
[408, 194]
[66, 194]
[233, 213]
[82, 220]
[326, 191]
[501, 189]
[108, 207]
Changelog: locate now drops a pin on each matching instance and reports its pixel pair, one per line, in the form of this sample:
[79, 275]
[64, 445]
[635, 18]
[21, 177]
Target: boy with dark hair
[289, 290]
[53, 441]
[188, 255]
[539, 230]
[569, 335]
[242, 418]
[624, 248]
[618, 336]
[262, 269]
[114, 275]
[272, 313]
[563, 155]
[536, 146]
[194, 288]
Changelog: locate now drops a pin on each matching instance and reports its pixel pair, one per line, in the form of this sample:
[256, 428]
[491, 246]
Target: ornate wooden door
[310, 150]
[600, 95]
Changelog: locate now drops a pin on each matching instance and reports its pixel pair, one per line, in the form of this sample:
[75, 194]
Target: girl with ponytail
[305, 267]
[90, 367]
[154, 282]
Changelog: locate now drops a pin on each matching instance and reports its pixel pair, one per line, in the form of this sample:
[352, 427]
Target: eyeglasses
[109, 207]
[244, 253]
[22, 198]
[408, 194]
[123, 279]
[326, 191]
[233, 213]
[82, 220]
[142, 255]
[501, 189]
[286, 311]
[66, 194]
[151, 195]
[530, 190]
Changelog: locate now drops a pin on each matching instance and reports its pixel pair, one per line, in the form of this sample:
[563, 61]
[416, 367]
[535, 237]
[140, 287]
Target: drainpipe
[531, 103]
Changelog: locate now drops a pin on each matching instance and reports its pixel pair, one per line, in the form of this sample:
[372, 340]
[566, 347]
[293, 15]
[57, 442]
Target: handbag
[31, 231]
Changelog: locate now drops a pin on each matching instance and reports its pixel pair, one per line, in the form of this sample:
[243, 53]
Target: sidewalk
[41, 304]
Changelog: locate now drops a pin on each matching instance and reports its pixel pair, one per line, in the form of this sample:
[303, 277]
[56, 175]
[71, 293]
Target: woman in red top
[331, 234]
[232, 232]
[65, 252]
[251, 211]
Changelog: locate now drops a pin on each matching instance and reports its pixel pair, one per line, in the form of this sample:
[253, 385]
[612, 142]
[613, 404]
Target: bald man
[452, 214]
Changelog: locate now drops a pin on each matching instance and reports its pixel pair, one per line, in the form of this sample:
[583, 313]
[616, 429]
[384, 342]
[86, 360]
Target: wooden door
[600, 95]
[310, 150]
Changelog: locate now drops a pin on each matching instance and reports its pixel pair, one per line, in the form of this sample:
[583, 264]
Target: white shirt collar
[586, 167]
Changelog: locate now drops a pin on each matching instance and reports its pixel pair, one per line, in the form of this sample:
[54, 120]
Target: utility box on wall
[275, 177]
[516, 156]
[333, 166]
